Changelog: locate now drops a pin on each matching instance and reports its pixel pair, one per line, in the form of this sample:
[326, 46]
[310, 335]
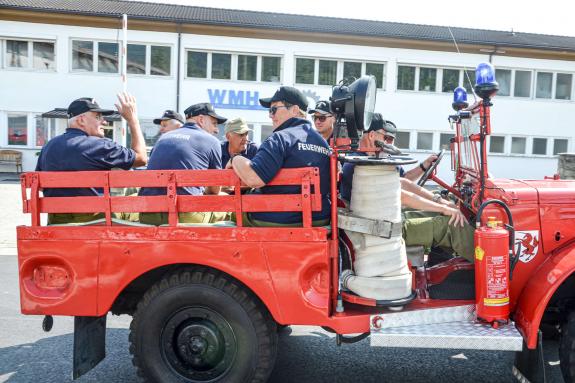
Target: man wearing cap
[323, 119]
[448, 229]
[389, 138]
[293, 144]
[237, 143]
[189, 147]
[83, 147]
[169, 121]
[204, 116]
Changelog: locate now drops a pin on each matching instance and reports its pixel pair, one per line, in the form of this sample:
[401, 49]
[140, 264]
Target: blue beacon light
[485, 84]
[459, 99]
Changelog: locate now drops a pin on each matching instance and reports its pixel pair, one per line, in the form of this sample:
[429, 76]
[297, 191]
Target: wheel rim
[199, 344]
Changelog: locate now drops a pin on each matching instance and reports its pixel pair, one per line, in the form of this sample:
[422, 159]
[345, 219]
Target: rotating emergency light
[459, 99]
[485, 84]
[355, 103]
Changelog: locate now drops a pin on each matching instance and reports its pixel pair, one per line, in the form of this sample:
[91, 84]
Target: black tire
[567, 349]
[201, 325]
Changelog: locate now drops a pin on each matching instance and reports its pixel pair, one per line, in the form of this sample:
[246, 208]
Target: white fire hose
[373, 224]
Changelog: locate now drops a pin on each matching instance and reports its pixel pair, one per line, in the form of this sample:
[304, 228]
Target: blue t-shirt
[188, 147]
[294, 144]
[249, 153]
[76, 151]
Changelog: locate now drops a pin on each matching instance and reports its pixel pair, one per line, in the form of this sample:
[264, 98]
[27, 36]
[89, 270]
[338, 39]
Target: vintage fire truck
[207, 300]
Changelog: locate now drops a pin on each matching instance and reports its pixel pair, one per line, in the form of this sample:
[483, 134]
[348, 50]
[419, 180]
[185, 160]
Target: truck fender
[539, 291]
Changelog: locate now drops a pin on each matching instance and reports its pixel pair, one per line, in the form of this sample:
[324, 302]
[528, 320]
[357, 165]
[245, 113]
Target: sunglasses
[320, 118]
[387, 138]
[272, 111]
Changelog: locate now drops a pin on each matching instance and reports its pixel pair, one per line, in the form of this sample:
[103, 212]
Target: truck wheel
[567, 349]
[200, 325]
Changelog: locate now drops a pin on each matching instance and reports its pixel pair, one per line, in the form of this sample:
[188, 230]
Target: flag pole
[121, 135]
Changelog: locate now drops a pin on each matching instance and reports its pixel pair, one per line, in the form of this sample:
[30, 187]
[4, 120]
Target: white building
[54, 52]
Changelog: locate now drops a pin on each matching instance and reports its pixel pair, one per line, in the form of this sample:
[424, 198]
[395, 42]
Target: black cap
[86, 104]
[322, 107]
[377, 123]
[287, 94]
[169, 115]
[390, 128]
[204, 108]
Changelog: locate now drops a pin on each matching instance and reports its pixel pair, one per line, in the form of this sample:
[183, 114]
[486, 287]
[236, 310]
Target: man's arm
[242, 167]
[412, 187]
[416, 172]
[419, 203]
[127, 109]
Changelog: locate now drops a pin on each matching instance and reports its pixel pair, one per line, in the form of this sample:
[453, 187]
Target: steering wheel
[431, 169]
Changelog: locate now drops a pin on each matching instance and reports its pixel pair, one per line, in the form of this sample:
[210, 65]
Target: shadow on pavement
[317, 359]
[50, 360]
[306, 358]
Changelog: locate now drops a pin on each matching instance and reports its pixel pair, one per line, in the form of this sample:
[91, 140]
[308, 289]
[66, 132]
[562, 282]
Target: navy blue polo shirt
[76, 151]
[188, 147]
[249, 153]
[294, 144]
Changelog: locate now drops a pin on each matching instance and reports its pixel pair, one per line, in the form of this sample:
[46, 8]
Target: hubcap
[199, 344]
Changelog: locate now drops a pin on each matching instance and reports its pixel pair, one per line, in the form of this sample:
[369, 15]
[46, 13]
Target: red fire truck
[207, 300]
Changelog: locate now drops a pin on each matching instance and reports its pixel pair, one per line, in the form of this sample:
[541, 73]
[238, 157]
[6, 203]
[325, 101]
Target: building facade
[48, 57]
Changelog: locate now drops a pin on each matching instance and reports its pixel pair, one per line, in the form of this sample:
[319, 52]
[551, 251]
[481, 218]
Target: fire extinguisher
[494, 263]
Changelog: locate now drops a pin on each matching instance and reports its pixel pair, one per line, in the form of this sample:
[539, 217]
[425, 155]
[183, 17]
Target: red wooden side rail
[32, 183]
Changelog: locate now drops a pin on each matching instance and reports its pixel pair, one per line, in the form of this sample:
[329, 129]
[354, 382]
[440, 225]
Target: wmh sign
[235, 99]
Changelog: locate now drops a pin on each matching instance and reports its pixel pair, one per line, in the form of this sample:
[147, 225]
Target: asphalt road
[306, 354]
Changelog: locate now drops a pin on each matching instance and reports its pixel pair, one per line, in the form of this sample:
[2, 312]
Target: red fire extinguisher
[494, 262]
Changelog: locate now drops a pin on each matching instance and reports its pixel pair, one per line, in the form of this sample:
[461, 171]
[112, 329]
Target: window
[108, 57]
[271, 69]
[136, 59]
[497, 144]
[150, 131]
[327, 72]
[214, 65]
[43, 131]
[405, 77]
[445, 140]
[503, 77]
[247, 68]
[377, 71]
[560, 145]
[43, 55]
[221, 66]
[351, 70]
[17, 53]
[544, 85]
[427, 79]
[149, 60]
[197, 64]
[450, 80]
[522, 83]
[18, 129]
[304, 71]
[82, 55]
[518, 145]
[539, 146]
[38, 55]
[267, 131]
[563, 88]
[160, 61]
[425, 141]
[469, 81]
[402, 140]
